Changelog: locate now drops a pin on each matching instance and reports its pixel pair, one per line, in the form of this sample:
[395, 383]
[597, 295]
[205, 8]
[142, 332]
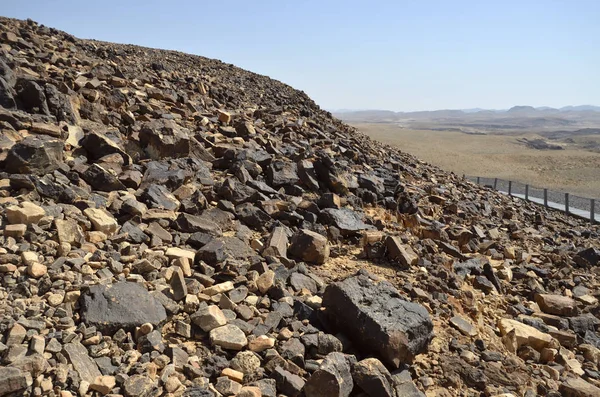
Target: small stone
[524, 334]
[224, 117]
[249, 391]
[577, 387]
[16, 231]
[245, 362]
[228, 337]
[310, 247]
[82, 363]
[218, 288]
[209, 318]
[463, 325]
[12, 381]
[68, 231]
[103, 384]
[401, 252]
[261, 343]
[102, 220]
[333, 378]
[138, 386]
[232, 374]
[27, 213]
[16, 335]
[178, 285]
[29, 257]
[557, 304]
[372, 377]
[174, 253]
[36, 270]
[287, 382]
[227, 387]
[265, 281]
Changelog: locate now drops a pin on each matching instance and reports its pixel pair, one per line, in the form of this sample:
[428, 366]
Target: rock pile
[172, 225]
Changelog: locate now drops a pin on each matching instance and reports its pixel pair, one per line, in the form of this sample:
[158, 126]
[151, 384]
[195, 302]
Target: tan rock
[29, 257]
[249, 391]
[184, 264]
[102, 220]
[174, 253]
[232, 374]
[16, 231]
[224, 117]
[27, 213]
[103, 384]
[228, 337]
[46, 129]
[261, 343]
[68, 231]
[209, 318]
[401, 252]
[218, 288]
[577, 387]
[525, 334]
[36, 270]
[557, 304]
[265, 281]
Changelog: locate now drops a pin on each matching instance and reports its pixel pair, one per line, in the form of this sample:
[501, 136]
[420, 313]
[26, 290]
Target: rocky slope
[172, 225]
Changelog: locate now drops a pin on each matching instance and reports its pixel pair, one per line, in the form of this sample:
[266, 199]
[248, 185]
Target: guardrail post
[567, 203]
[592, 211]
[495, 183]
[478, 181]
[527, 192]
[510, 188]
[546, 198]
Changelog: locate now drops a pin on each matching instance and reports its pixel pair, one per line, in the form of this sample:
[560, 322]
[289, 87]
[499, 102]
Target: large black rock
[122, 305]
[378, 319]
[35, 155]
[349, 222]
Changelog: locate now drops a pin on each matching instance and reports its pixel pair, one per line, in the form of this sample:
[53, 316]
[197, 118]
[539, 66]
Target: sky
[395, 55]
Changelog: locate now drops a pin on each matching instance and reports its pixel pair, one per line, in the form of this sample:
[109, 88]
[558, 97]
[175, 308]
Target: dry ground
[571, 170]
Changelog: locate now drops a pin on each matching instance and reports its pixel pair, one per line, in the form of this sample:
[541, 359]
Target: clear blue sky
[397, 55]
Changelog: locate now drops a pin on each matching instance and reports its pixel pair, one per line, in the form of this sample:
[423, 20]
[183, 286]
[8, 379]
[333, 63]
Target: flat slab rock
[122, 305]
[378, 319]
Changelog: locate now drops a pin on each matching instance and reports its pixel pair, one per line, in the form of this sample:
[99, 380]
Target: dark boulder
[349, 222]
[164, 138]
[333, 378]
[38, 155]
[123, 305]
[378, 319]
[101, 179]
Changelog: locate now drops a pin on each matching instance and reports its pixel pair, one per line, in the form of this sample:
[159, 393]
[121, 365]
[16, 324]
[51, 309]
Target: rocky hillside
[172, 225]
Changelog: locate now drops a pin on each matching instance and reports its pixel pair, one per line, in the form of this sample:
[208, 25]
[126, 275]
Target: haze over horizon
[402, 56]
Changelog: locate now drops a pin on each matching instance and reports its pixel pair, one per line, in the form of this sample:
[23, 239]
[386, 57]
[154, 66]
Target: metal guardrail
[569, 203]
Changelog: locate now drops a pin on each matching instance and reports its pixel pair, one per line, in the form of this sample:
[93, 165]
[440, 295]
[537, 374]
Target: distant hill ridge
[517, 108]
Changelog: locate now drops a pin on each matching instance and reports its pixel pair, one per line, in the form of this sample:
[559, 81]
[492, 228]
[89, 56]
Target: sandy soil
[572, 170]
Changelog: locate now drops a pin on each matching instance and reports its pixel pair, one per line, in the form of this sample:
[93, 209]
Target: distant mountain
[521, 109]
[580, 108]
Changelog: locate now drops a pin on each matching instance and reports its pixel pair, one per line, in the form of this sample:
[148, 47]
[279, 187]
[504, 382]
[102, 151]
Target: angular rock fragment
[228, 337]
[348, 221]
[378, 319]
[82, 363]
[12, 381]
[403, 253]
[333, 378]
[37, 155]
[373, 378]
[123, 305]
[310, 247]
[102, 220]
